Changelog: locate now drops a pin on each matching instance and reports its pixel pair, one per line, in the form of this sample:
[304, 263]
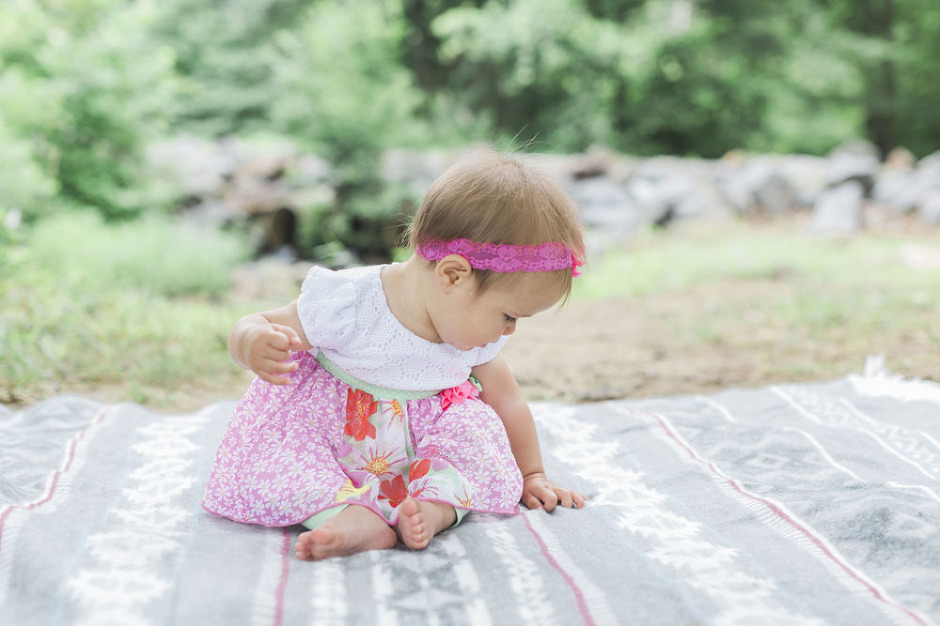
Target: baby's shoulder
[334, 305]
[355, 278]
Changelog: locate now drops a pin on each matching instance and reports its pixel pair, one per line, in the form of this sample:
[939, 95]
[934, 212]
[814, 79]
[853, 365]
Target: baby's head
[495, 199]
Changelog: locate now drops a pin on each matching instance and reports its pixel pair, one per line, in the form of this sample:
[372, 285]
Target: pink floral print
[292, 451]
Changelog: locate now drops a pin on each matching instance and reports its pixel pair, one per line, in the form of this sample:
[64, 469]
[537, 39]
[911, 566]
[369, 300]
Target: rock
[596, 162]
[703, 201]
[309, 170]
[257, 186]
[567, 169]
[900, 159]
[897, 189]
[906, 190]
[271, 278]
[856, 160]
[415, 169]
[928, 171]
[605, 204]
[929, 209]
[198, 166]
[838, 210]
[757, 186]
[806, 175]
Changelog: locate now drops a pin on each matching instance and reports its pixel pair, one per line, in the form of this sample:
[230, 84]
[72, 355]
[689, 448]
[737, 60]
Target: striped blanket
[792, 504]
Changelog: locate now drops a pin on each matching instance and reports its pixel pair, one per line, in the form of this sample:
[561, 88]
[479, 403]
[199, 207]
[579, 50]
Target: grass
[144, 310]
[790, 305]
[138, 307]
[862, 284]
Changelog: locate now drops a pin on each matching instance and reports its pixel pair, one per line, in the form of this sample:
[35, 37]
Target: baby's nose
[510, 328]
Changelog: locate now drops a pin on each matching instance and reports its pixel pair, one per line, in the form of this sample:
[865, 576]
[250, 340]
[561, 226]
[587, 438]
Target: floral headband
[505, 257]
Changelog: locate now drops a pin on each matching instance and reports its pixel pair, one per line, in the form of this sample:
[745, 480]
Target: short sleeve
[488, 352]
[327, 308]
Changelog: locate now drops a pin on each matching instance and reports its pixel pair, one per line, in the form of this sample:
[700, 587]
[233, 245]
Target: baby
[382, 410]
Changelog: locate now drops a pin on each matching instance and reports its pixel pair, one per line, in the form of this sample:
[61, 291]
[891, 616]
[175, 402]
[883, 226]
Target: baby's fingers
[570, 499]
[293, 340]
[540, 498]
[578, 500]
[273, 370]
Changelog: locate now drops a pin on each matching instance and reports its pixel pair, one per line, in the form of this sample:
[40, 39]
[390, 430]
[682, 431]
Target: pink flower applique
[456, 395]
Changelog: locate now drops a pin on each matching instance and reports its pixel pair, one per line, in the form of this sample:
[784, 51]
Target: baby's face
[474, 319]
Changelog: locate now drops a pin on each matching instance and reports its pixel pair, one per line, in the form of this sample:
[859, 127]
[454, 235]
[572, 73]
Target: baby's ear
[453, 271]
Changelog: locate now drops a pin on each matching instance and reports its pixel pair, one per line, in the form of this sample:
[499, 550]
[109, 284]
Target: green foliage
[341, 85]
[155, 255]
[134, 304]
[23, 183]
[224, 59]
[344, 93]
[55, 332]
[85, 85]
[542, 69]
[82, 87]
[916, 51]
[668, 77]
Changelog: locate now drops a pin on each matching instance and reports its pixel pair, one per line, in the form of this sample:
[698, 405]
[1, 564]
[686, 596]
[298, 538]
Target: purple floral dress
[291, 451]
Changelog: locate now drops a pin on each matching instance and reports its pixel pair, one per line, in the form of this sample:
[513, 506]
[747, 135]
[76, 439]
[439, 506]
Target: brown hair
[498, 198]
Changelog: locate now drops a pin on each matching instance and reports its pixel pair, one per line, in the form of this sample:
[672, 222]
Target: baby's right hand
[269, 350]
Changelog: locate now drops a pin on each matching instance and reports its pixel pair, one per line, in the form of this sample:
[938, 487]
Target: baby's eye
[509, 319]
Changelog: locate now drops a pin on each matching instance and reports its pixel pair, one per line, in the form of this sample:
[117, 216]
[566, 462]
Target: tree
[84, 88]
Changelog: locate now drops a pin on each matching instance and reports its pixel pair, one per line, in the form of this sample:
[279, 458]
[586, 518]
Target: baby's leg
[355, 529]
[420, 520]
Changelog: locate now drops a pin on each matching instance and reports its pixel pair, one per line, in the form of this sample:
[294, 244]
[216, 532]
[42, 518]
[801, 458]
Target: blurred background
[759, 180]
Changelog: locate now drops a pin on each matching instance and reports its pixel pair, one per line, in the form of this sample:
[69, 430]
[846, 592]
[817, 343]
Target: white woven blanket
[815, 504]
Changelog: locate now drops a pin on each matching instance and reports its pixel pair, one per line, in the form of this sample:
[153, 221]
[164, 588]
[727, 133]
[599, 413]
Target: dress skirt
[292, 451]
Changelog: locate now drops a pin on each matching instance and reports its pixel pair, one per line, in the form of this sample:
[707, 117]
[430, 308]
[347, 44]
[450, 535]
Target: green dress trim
[378, 392]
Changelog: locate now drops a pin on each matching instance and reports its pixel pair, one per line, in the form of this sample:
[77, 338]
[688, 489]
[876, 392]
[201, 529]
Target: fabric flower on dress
[360, 406]
[418, 469]
[395, 491]
[456, 395]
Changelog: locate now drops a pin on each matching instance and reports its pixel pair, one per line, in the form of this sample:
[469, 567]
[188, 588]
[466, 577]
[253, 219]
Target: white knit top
[346, 316]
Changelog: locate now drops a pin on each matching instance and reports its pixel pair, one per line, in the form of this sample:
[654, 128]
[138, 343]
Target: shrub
[153, 255]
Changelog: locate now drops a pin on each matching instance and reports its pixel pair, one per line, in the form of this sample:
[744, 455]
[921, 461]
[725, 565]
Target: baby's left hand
[538, 492]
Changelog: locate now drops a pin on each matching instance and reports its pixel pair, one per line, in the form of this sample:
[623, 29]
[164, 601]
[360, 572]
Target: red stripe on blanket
[582, 604]
[793, 523]
[282, 584]
[47, 496]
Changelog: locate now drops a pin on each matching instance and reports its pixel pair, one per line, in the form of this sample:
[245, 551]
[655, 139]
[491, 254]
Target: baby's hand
[269, 349]
[540, 493]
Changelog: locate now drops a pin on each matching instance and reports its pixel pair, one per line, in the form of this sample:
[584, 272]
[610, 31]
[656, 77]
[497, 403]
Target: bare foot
[355, 529]
[419, 521]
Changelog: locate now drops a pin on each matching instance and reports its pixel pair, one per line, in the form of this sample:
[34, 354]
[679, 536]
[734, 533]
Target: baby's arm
[262, 342]
[501, 391]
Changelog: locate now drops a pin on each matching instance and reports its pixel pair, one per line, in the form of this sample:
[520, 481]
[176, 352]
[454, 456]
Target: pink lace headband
[505, 257]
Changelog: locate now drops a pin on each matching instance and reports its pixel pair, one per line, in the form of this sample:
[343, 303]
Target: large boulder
[838, 211]
[857, 160]
[756, 186]
[606, 205]
[905, 189]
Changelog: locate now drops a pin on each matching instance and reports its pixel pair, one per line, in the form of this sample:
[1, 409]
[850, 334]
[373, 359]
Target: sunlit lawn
[813, 307]
[870, 283]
